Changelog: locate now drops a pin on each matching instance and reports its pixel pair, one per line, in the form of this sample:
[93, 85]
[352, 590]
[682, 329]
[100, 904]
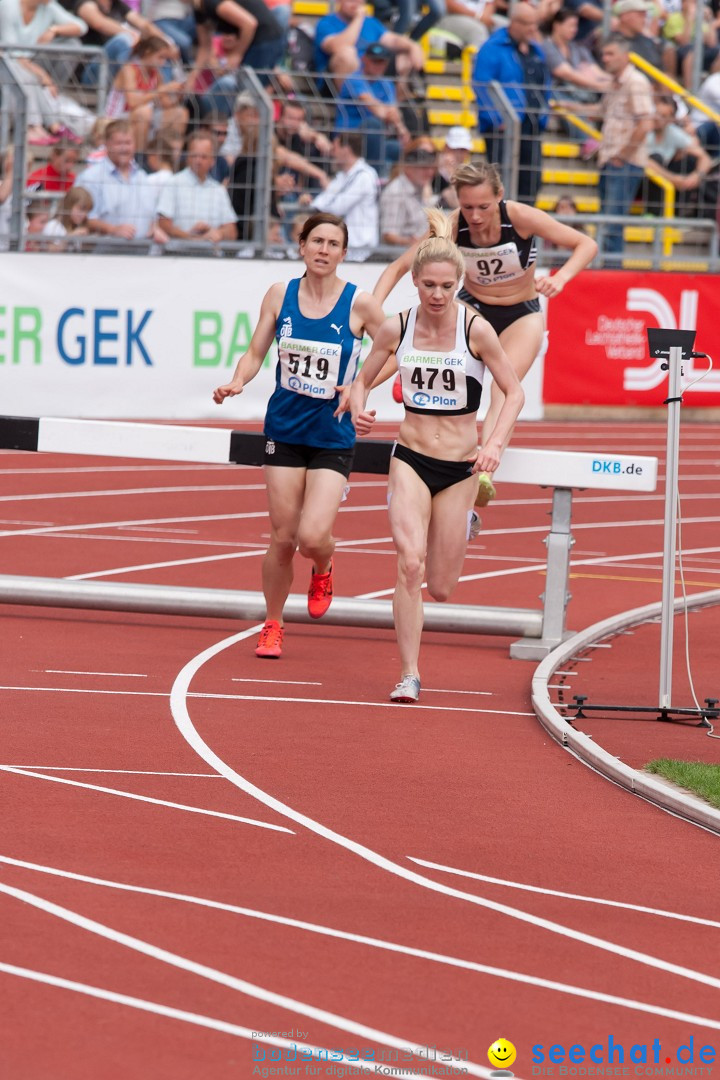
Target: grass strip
[695, 776]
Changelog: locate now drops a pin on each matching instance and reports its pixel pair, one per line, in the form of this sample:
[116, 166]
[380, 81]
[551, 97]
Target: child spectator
[72, 215]
[58, 173]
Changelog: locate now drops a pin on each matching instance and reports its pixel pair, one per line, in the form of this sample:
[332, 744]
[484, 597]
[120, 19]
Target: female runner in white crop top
[442, 350]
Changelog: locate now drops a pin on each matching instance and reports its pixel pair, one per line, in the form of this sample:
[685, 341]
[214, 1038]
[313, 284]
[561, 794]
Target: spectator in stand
[124, 201]
[243, 183]
[6, 186]
[162, 158]
[72, 214]
[410, 19]
[39, 22]
[403, 220]
[140, 92]
[590, 17]
[175, 19]
[37, 216]
[342, 38]
[262, 41]
[627, 109]
[678, 35]
[57, 174]
[676, 155]
[631, 18]
[457, 151]
[352, 194]
[471, 21]
[212, 83]
[193, 206]
[115, 27]
[513, 58]
[708, 132]
[368, 104]
[576, 76]
[294, 133]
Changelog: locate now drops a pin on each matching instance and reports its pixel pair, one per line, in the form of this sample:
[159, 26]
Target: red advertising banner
[598, 348]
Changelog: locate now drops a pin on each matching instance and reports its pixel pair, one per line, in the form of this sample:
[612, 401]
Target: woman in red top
[140, 93]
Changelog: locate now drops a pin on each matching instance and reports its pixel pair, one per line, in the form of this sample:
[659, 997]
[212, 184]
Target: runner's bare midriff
[450, 438]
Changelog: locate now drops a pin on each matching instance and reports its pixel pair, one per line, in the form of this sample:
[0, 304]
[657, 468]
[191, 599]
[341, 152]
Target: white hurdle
[540, 630]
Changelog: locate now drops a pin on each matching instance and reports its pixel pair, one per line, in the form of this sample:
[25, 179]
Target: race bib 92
[489, 266]
[311, 368]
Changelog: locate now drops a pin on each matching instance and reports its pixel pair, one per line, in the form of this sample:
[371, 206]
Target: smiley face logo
[501, 1054]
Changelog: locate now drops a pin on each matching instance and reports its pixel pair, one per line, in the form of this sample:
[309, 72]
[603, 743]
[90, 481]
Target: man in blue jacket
[511, 57]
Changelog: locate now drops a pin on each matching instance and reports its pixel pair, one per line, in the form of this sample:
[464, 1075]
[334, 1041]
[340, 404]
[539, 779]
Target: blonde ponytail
[439, 245]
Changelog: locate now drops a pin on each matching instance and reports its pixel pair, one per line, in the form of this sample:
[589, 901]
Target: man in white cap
[631, 17]
[456, 152]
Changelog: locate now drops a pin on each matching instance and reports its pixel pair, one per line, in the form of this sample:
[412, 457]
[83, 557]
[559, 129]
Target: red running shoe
[320, 593]
[397, 390]
[271, 639]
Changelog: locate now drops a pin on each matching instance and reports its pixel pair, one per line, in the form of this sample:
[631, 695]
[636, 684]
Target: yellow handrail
[666, 185]
[674, 86]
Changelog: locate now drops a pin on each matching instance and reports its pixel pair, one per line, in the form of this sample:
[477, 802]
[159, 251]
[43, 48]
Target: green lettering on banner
[240, 340]
[207, 328]
[29, 333]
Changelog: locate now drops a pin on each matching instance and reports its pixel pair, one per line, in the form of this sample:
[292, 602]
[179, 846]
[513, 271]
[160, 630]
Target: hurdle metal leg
[556, 596]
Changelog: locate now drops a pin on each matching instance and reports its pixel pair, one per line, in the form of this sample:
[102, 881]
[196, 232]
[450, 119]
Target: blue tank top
[504, 261]
[315, 356]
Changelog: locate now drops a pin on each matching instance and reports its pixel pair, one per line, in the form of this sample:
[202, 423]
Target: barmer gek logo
[420, 399]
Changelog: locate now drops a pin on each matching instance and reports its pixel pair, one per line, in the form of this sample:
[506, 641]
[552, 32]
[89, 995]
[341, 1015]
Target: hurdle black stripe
[245, 447]
[19, 432]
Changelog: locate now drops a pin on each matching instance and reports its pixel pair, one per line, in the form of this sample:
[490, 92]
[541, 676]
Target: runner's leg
[521, 341]
[323, 493]
[447, 538]
[285, 491]
[409, 510]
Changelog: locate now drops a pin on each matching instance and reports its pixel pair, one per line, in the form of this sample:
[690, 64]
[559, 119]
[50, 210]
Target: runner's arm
[250, 363]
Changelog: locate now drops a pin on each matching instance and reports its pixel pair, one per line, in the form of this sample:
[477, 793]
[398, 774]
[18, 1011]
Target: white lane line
[481, 693]
[375, 943]
[57, 529]
[110, 674]
[252, 990]
[164, 565]
[118, 492]
[116, 772]
[203, 559]
[279, 682]
[154, 528]
[10, 521]
[321, 1053]
[565, 895]
[181, 715]
[144, 798]
[263, 697]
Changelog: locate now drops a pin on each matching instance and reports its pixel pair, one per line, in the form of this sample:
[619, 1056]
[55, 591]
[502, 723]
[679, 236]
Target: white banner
[101, 336]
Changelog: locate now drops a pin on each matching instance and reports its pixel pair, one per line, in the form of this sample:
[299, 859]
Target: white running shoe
[475, 525]
[407, 690]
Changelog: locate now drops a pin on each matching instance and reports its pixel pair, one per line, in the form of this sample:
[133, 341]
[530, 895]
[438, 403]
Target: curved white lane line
[181, 715]
[565, 895]
[144, 798]
[321, 1053]
[222, 978]
[376, 943]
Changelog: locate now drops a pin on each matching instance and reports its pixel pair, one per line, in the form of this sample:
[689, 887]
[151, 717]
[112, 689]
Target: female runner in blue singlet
[497, 242]
[318, 321]
[442, 350]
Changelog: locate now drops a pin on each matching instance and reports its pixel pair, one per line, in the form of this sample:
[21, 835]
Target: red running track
[197, 846]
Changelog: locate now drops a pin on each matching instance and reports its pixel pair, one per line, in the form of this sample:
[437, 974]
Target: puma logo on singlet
[337, 328]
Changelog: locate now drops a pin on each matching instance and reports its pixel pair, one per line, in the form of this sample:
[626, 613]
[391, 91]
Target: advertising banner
[97, 336]
[598, 352]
